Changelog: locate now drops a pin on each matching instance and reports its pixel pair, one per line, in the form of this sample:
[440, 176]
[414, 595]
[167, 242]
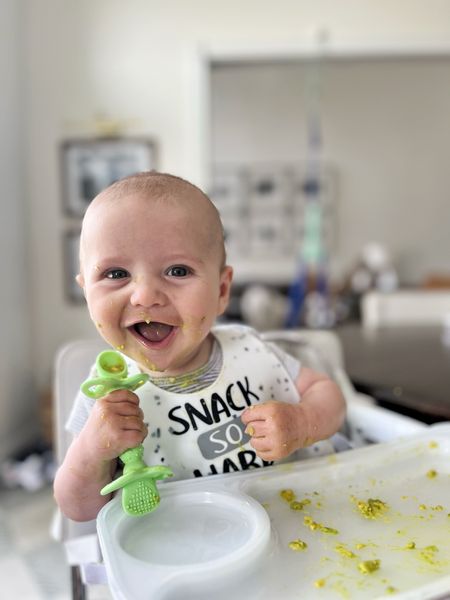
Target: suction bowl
[194, 538]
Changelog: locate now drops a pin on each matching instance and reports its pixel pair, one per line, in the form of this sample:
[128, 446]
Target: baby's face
[153, 280]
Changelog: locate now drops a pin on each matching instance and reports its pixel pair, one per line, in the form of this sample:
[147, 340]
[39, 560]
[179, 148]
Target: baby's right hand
[115, 424]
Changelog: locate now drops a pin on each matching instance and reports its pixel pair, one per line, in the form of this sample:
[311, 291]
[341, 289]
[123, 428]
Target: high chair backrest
[317, 349]
[72, 365]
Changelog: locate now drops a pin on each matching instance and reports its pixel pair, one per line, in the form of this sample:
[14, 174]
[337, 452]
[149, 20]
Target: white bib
[201, 433]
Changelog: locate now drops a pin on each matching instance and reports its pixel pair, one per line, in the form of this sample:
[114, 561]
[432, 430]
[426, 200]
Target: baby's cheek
[109, 333]
[98, 314]
[195, 326]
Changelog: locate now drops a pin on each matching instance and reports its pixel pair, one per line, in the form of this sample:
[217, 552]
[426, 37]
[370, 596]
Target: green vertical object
[312, 252]
[138, 482]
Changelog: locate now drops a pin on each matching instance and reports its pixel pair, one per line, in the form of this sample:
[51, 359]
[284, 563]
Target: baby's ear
[80, 280]
[226, 278]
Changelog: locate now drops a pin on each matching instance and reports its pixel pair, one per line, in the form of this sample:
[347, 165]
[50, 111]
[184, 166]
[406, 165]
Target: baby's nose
[147, 292]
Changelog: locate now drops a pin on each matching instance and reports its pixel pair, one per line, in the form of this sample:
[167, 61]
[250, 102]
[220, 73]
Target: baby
[219, 399]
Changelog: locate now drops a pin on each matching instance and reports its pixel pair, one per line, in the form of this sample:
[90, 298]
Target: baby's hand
[115, 424]
[276, 428]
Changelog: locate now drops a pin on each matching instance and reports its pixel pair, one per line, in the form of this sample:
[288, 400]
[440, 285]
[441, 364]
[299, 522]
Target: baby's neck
[193, 380]
[196, 361]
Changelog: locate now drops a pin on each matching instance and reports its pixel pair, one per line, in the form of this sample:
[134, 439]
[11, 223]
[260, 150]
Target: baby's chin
[160, 368]
[170, 364]
[151, 369]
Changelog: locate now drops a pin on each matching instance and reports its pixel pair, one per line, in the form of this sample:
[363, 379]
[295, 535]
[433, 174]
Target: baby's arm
[114, 424]
[277, 428]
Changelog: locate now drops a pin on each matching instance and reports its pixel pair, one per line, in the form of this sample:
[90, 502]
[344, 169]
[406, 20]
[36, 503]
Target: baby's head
[162, 190]
[152, 266]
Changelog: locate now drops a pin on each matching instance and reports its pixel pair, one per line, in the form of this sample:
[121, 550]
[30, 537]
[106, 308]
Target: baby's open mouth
[153, 331]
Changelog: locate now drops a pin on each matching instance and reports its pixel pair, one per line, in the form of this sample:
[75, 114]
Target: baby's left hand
[276, 428]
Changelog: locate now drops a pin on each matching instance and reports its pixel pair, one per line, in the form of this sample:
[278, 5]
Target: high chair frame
[366, 423]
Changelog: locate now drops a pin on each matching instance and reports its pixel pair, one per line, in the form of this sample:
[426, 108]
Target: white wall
[18, 402]
[385, 132]
[131, 60]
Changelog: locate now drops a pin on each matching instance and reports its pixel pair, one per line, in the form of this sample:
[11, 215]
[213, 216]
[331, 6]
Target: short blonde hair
[165, 187]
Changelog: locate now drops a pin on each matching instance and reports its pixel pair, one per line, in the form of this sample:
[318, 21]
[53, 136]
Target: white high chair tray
[228, 536]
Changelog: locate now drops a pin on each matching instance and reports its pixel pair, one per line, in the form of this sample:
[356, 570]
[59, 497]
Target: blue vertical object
[312, 260]
[296, 295]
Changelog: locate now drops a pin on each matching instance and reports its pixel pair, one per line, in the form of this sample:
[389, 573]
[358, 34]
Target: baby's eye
[116, 274]
[178, 271]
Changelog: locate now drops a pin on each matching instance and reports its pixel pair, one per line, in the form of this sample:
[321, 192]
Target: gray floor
[32, 565]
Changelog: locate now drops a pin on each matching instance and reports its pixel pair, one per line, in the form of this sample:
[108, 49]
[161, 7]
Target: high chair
[321, 350]
[72, 365]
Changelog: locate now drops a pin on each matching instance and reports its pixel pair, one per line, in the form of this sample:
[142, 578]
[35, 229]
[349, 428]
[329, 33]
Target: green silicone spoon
[138, 482]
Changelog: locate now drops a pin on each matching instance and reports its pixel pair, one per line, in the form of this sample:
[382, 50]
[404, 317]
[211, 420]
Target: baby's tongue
[154, 332]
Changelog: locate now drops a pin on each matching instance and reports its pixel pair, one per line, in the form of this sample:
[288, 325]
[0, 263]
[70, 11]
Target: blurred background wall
[18, 397]
[64, 62]
[385, 139]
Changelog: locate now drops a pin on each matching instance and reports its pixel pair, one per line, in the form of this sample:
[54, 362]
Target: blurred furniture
[406, 369]
[404, 307]
[366, 423]
[436, 281]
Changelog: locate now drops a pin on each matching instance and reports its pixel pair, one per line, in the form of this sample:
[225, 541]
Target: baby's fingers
[257, 429]
[269, 448]
[132, 424]
[124, 404]
[254, 413]
[117, 441]
[124, 432]
[120, 396]
[263, 412]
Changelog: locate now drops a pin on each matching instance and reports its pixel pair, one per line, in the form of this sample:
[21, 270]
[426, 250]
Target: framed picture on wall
[71, 249]
[90, 165]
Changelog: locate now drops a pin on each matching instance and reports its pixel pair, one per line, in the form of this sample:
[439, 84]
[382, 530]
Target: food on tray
[373, 508]
[297, 545]
[369, 566]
